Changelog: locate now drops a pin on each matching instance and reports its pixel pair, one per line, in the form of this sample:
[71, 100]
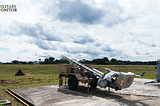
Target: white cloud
[127, 30]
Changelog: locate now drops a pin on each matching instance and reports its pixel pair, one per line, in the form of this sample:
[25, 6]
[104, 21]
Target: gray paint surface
[138, 94]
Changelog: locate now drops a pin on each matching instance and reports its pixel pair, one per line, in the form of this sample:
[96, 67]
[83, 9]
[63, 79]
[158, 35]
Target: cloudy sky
[80, 29]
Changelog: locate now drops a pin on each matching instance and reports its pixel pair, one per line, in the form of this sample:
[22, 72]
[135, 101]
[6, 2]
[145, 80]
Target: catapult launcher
[77, 72]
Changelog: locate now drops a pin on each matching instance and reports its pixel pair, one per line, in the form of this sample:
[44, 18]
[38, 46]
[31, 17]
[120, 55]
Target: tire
[72, 83]
[93, 84]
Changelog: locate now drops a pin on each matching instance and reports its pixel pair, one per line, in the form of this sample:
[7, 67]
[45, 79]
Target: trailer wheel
[72, 83]
[93, 83]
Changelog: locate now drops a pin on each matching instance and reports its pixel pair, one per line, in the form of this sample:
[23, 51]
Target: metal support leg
[88, 86]
[65, 81]
[109, 89]
[59, 81]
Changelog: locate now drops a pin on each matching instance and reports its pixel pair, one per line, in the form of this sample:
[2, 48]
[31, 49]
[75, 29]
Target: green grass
[40, 75]
[35, 75]
[137, 69]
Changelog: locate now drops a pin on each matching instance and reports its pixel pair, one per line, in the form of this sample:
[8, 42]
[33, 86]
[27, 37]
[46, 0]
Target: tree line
[98, 61]
[113, 61]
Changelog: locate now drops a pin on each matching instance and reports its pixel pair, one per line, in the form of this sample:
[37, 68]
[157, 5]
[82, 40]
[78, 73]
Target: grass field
[39, 75]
